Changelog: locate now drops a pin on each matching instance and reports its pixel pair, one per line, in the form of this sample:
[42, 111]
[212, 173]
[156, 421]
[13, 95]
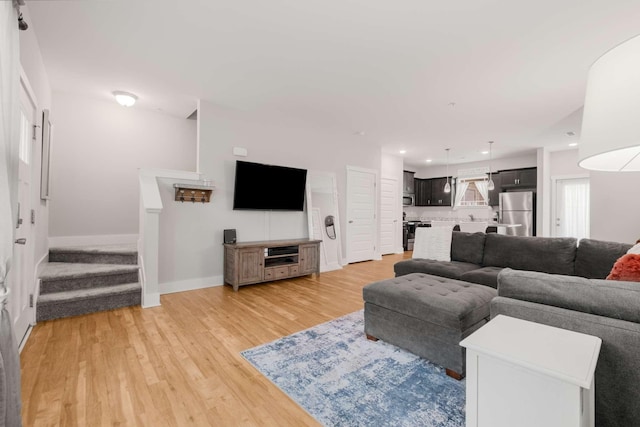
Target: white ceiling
[388, 69]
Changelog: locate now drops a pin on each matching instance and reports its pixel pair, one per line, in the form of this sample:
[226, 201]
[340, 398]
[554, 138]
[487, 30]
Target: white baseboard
[150, 300]
[190, 284]
[105, 239]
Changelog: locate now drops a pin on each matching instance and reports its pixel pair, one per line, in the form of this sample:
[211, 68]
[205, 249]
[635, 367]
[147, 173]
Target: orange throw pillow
[626, 268]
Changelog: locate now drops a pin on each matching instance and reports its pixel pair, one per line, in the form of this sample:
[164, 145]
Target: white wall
[565, 163]
[192, 246]
[615, 206]
[98, 147]
[31, 61]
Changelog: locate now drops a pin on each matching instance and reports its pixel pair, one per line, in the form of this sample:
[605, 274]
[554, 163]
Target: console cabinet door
[309, 258]
[250, 262]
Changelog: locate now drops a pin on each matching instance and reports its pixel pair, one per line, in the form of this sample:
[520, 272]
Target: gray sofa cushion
[546, 254]
[467, 247]
[609, 298]
[452, 270]
[595, 258]
[487, 276]
[450, 303]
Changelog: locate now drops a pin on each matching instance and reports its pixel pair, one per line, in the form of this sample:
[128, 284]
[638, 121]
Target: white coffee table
[526, 374]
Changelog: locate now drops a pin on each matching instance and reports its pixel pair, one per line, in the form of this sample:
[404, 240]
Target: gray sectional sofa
[479, 257]
[557, 282]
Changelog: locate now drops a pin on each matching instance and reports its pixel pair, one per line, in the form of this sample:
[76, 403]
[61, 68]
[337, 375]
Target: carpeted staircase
[81, 280]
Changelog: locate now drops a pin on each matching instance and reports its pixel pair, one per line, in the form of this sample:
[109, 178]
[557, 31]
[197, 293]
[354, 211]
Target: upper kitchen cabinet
[518, 178]
[430, 192]
[408, 185]
[438, 196]
[422, 192]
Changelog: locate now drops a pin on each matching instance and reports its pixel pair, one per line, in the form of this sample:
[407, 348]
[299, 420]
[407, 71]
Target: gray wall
[191, 235]
[98, 148]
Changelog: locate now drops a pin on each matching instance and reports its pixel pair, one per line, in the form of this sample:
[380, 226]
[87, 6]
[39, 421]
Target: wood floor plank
[180, 364]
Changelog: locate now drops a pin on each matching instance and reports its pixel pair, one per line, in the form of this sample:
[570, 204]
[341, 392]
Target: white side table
[526, 374]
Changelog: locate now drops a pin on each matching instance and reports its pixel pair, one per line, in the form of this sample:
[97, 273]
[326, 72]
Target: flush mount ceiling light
[125, 99]
[610, 137]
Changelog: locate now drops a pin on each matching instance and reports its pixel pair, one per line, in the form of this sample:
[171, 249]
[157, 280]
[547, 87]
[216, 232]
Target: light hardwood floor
[180, 364]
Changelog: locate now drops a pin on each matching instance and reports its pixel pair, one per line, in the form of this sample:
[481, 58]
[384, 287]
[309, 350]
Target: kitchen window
[472, 192]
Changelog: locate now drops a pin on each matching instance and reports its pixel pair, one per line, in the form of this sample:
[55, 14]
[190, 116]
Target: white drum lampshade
[610, 138]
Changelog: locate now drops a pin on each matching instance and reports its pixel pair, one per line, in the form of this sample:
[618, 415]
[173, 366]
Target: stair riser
[86, 282]
[78, 307]
[91, 258]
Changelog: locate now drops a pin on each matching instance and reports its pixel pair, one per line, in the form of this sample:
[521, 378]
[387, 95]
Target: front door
[361, 214]
[22, 278]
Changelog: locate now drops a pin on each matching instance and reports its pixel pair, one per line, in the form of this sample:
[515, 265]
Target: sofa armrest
[608, 298]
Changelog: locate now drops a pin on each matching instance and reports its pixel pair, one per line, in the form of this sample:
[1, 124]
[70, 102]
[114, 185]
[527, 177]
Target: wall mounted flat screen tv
[267, 187]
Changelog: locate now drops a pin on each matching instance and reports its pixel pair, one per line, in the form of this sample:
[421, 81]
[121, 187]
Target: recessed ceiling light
[125, 99]
[484, 152]
[403, 151]
[573, 144]
[429, 160]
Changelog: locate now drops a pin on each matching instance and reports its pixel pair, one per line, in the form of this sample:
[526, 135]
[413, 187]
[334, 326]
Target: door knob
[21, 241]
[351, 221]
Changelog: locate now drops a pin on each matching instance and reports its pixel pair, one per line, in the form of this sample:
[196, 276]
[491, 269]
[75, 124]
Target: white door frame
[376, 226]
[397, 243]
[554, 191]
[30, 273]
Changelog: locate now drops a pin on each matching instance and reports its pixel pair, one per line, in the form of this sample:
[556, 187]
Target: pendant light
[490, 184]
[447, 186]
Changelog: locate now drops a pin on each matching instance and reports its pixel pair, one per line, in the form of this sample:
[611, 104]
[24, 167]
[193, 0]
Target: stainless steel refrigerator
[517, 207]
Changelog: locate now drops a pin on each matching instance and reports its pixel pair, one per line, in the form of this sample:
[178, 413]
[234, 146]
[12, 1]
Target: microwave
[407, 200]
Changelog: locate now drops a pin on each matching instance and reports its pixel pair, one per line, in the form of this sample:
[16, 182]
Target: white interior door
[389, 216]
[22, 270]
[361, 214]
[571, 212]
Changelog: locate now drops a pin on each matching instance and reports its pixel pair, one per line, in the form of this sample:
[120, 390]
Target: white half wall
[98, 147]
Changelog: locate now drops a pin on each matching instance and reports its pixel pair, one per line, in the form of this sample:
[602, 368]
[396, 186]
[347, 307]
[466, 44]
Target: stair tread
[67, 270]
[88, 293]
[125, 249]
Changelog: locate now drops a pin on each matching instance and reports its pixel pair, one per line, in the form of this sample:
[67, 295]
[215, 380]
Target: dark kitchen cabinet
[438, 196]
[519, 178]
[408, 182]
[430, 192]
[422, 192]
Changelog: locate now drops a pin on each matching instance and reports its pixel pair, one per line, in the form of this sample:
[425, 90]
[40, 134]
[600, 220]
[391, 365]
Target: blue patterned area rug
[343, 379]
